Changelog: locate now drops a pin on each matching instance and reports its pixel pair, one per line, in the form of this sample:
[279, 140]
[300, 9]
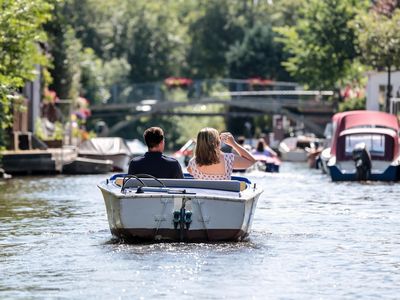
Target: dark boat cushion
[224, 185]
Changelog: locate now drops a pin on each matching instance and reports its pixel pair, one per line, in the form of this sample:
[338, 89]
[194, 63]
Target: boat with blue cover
[145, 208]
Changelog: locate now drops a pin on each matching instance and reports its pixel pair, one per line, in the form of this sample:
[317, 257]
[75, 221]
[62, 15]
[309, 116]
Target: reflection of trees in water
[24, 199]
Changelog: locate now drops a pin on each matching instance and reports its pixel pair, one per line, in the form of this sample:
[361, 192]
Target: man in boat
[154, 162]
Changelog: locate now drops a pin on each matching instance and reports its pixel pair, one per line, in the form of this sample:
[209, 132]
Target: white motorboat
[107, 148]
[324, 158]
[136, 147]
[294, 148]
[151, 209]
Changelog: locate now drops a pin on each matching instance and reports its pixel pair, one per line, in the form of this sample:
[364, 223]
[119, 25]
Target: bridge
[311, 108]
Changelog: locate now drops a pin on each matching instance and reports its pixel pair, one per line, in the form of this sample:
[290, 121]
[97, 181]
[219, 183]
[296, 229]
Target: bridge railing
[127, 93]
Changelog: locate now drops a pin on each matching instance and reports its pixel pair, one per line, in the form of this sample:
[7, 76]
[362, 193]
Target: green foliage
[212, 34]
[287, 12]
[257, 55]
[65, 51]
[188, 127]
[39, 132]
[92, 78]
[58, 131]
[20, 37]
[353, 104]
[379, 39]
[322, 43]
[116, 71]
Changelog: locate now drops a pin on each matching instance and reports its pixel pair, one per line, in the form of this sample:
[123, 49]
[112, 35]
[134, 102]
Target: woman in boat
[210, 163]
[263, 149]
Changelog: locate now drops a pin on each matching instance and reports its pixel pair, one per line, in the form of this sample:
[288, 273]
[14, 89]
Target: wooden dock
[50, 161]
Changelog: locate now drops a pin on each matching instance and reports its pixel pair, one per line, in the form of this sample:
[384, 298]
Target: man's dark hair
[153, 136]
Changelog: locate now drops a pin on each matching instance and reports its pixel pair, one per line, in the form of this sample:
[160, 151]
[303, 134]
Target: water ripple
[311, 238]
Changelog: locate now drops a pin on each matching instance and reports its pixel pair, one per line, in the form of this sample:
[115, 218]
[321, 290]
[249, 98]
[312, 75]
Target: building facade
[377, 88]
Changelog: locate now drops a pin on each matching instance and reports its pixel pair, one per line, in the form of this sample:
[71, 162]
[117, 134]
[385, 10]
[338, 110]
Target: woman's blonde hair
[207, 147]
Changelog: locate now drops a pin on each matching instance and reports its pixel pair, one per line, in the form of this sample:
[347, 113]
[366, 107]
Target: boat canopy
[362, 130]
[104, 146]
[362, 119]
[137, 147]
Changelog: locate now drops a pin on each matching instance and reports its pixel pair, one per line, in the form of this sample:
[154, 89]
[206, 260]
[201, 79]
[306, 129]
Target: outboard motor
[362, 161]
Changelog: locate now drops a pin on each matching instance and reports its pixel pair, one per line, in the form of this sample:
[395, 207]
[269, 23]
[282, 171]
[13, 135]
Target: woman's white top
[228, 160]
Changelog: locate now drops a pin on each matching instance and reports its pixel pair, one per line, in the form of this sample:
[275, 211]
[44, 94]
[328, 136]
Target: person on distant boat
[263, 149]
[241, 140]
[153, 162]
[210, 163]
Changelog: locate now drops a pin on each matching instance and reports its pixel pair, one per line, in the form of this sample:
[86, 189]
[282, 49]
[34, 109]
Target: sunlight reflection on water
[311, 238]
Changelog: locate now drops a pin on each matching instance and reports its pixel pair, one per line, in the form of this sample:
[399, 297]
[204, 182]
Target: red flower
[178, 81]
[50, 96]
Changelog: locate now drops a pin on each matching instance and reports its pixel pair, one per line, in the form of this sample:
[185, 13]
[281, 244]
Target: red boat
[365, 146]
[185, 153]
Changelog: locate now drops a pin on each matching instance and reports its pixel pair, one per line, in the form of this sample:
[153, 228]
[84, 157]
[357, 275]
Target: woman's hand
[244, 158]
[227, 138]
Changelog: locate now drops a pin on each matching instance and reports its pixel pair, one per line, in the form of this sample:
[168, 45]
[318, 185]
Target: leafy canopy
[321, 44]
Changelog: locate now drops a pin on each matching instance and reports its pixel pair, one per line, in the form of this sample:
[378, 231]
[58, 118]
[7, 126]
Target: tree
[379, 42]
[321, 46]
[65, 50]
[212, 34]
[21, 34]
[257, 55]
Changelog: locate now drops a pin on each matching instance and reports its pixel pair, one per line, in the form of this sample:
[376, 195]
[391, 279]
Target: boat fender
[188, 218]
[177, 218]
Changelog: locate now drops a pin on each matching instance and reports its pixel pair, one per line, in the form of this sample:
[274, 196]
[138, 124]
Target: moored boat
[294, 148]
[107, 148]
[82, 165]
[365, 146]
[151, 209]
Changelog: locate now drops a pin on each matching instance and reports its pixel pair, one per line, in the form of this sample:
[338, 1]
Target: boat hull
[164, 235]
[120, 161]
[82, 165]
[294, 156]
[150, 217]
[390, 174]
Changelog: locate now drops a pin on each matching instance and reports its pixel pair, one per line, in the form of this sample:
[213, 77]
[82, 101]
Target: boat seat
[224, 185]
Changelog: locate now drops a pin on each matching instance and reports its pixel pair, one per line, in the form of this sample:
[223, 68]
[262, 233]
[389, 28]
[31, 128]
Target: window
[375, 143]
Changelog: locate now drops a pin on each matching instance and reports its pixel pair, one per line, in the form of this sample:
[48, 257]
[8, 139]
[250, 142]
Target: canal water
[311, 239]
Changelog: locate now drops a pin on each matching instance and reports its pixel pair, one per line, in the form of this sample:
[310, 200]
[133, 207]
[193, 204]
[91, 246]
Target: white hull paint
[295, 156]
[216, 215]
[120, 161]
